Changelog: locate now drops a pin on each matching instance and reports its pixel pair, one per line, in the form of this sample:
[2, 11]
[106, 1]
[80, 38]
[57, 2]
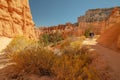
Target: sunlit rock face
[16, 19]
[111, 36]
[66, 30]
[105, 22]
[98, 19]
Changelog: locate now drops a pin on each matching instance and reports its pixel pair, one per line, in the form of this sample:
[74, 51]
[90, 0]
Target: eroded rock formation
[98, 19]
[16, 19]
[66, 30]
[111, 36]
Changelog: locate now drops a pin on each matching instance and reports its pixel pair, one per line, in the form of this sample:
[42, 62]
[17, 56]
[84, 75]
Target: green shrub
[46, 39]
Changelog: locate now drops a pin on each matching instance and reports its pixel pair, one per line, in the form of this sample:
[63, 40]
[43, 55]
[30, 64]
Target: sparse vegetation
[46, 39]
[73, 64]
[87, 32]
[18, 44]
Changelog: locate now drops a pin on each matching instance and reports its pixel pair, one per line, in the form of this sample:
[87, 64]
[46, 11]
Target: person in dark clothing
[91, 34]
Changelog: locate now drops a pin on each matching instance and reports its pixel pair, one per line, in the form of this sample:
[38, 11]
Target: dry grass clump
[32, 60]
[71, 65]
[17, 44]
[43, 62]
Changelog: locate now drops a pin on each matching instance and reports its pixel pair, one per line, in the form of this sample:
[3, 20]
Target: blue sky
[54, 12]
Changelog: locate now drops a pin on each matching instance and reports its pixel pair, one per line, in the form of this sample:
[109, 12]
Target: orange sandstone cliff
[111, 37]
[98, 19]
[16, 19]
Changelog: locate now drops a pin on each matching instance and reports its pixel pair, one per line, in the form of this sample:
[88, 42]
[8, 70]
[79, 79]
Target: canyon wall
[105, 22]
[111, 36]
[16, 19]
[66, 30]
[98, 19]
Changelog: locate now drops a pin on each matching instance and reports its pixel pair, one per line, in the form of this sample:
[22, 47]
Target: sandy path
[110, 56]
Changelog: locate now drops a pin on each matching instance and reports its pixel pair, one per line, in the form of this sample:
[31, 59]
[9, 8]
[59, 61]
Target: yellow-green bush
[43, 62]
[65, 43]
[76, 44]
[32, 60]
[71, 65]
[17, 44]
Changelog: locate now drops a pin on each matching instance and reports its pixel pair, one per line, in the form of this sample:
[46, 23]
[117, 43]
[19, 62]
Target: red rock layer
[111, 36]
[66, 30]
[99, 19]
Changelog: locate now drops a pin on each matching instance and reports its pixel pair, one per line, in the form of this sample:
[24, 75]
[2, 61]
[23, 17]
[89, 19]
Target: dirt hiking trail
[110, 56]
